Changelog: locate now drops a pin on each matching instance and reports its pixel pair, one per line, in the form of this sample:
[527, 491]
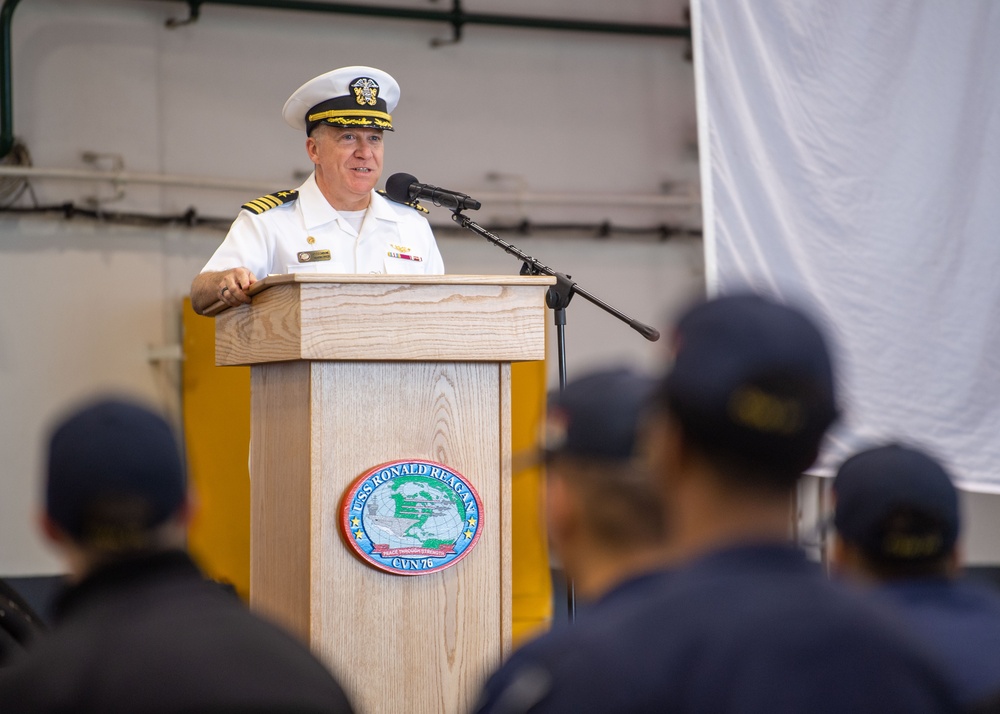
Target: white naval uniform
[394, 239]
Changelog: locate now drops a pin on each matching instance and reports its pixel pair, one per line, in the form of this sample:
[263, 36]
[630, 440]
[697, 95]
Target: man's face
[348, 164]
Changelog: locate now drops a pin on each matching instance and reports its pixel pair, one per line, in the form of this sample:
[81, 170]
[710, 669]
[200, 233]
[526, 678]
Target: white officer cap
[347, 97]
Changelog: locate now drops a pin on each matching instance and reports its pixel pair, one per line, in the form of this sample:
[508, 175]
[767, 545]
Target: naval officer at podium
[335, 222]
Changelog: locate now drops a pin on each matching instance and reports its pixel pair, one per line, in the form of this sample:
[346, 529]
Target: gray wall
[96, 305]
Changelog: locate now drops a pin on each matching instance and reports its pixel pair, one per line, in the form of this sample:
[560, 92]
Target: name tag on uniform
[311, 256]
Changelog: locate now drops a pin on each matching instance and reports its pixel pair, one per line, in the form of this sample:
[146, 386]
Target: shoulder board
[412, 204]
[271, 200]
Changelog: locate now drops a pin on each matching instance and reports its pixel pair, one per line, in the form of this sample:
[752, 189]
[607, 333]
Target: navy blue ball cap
[599, 414]
[896, 503]
[114, 470]
[752, 378]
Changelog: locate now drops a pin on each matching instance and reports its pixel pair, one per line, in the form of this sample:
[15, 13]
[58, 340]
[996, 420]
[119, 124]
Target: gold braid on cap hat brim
[353, 117]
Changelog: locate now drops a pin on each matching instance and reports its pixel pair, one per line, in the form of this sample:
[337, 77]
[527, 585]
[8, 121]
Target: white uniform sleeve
[245, 245]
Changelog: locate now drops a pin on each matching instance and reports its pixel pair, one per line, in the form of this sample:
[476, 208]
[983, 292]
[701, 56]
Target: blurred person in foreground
[603, 512]
[743, 622]
[897, 526]
[20, 625]
[139, 629]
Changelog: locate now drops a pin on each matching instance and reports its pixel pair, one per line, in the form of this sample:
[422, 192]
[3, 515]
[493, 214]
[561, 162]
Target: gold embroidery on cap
[752, 407]
[345, 114]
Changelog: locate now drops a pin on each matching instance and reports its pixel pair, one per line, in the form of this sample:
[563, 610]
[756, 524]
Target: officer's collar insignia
[365, 91]
[412, 204]
[411, 517]
[271, 200]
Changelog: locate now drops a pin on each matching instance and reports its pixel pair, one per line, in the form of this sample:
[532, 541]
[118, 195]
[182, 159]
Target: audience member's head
[752, 388]
[896, 516]
[139, 627]
[604, 510]
[747, 402]
[115, 483]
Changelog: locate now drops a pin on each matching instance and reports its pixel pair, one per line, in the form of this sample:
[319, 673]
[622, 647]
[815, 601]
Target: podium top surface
[347, 279]
[386, 317]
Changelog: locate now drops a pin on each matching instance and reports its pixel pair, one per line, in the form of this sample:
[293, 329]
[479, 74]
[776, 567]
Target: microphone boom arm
[562, 292]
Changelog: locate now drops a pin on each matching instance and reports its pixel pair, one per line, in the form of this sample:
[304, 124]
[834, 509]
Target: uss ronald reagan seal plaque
[411, 517]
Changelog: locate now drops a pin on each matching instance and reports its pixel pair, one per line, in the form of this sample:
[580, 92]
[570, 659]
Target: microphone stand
[557, 299]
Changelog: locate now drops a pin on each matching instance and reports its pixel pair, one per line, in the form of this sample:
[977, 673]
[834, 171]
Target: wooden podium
[349, 372]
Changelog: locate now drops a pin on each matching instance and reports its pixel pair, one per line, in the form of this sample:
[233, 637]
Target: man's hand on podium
[226, 286]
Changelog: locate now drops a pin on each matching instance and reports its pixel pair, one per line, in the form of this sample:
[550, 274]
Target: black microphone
[404, 188]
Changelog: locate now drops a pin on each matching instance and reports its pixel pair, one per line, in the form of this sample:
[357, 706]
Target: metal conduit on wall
[6, 103]
[456, 17]
[123, 178]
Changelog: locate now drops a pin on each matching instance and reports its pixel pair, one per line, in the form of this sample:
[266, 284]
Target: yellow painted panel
[532, 586]
[216, 404]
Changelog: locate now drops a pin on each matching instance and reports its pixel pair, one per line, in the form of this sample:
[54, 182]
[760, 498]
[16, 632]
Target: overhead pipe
[456, 17]
[121, 178]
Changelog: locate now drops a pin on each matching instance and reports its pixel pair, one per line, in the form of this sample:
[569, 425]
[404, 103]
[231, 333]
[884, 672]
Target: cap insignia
[365, 90]
[754, 408]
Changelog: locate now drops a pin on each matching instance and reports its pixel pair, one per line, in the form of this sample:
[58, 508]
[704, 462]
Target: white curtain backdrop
[851, 163]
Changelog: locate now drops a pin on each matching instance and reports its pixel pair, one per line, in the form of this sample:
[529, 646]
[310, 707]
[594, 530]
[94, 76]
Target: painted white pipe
[119, 178]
